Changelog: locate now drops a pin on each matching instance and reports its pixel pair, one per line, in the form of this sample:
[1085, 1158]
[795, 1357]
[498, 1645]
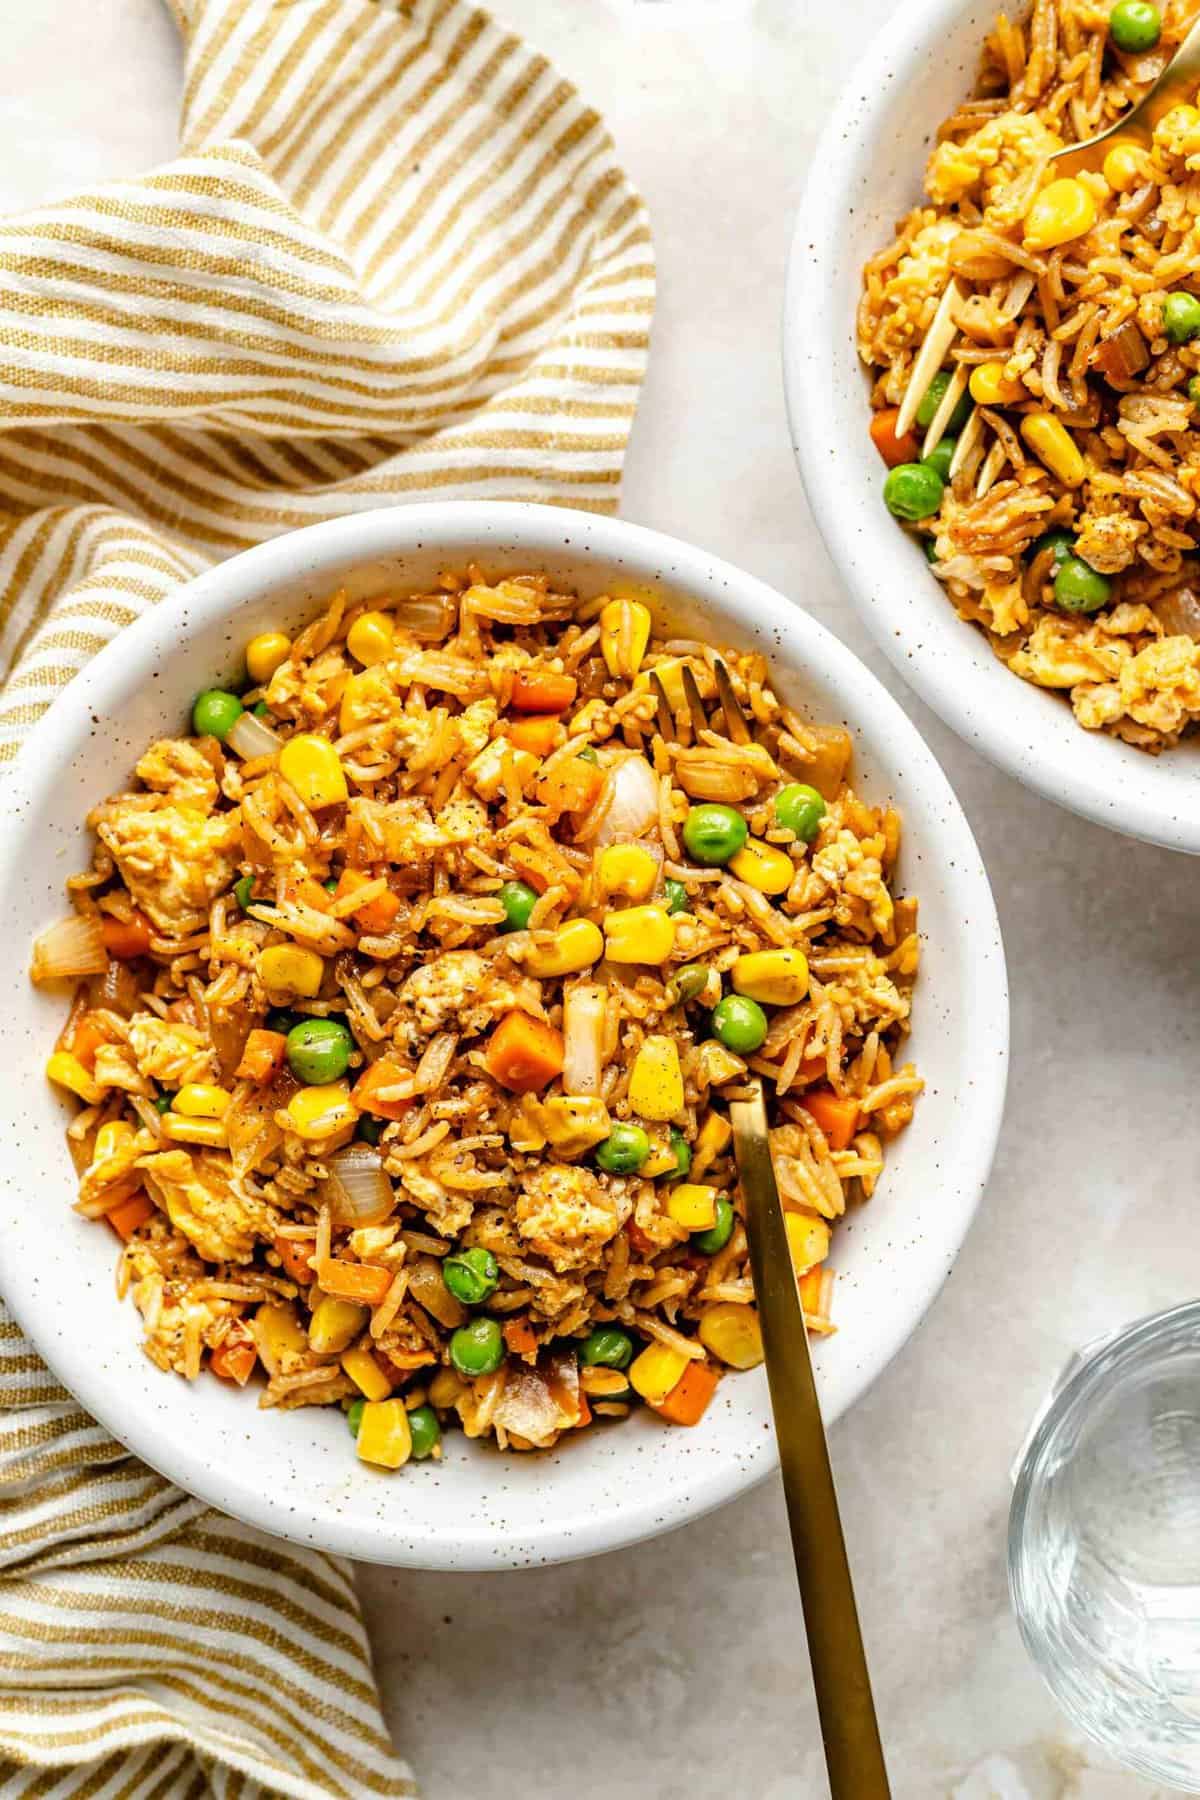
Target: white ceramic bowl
[866, 173]
[294, 1472]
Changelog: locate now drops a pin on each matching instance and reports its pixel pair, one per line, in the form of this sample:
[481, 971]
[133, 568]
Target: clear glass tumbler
[1104, 1544]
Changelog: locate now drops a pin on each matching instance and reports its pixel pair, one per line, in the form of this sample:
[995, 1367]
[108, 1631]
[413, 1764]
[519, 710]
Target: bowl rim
[213, 597]
[1092, 774]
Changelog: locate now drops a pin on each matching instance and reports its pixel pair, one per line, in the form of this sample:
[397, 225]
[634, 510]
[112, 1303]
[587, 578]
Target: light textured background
[678, 1669]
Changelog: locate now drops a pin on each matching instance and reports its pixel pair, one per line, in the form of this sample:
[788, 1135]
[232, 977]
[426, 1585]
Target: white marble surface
[678, 1669]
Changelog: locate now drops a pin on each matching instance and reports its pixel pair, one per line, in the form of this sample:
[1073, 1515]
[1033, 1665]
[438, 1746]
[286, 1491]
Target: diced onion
[632, 801]
[73, 947]
[358, 1191]
[427, 1288]
[427, 616]
[585, 1017]
[249, 737]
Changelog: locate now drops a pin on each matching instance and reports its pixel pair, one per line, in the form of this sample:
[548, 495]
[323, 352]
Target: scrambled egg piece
[168, 1051]
[1060, 654]
[848, 874]
[911, 293]
[989, 160]
[565, 1214]
[114, 1068]
[175, 767]
[1108, 541]
[206, 1204]
[1159, 687]
[108, 1172]
[173, 859]
[457, 991]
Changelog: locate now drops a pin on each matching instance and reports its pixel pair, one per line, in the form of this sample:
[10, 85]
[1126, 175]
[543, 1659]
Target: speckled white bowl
[294, 1472]
[866, 173]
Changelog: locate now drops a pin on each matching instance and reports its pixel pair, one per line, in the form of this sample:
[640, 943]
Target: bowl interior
[866, 174]
[294, 1472]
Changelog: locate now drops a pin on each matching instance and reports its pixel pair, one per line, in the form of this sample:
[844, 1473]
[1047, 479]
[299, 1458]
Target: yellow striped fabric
[394, 259]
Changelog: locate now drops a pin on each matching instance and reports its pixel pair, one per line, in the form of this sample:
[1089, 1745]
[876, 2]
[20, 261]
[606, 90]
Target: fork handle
[849, 1728]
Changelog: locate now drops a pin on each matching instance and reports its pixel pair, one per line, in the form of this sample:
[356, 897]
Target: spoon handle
[853, 1752]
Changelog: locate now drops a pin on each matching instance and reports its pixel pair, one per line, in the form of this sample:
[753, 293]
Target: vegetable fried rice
[412, 989]
[1053, 467]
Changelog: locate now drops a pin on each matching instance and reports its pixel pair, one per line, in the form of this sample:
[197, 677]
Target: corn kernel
[989, 386]
[624, 634]
[69, 1072]
[773, 977]
[603, 1384]
[366, 1374]
[444, 1389]
[314, 768]
[1053, 445]
[1122, 166]
[808, 1239]
[576, 945]
[201, 1100]
[370, 638]
[278, 1333]
[733, 1333]
[662, 1159]
[656, 1080]
[1062, 211]
[384, 1435]
[627, 869]
[290, 973]
[574, 1122]
[264, 654]
[669, 671]
[712, 1141]
[654, 1373]
[717, 1064]
[334, 1325]
[180, 1130]
[763, 866]
[639, 934]
[109, 1139]
[319, 1112]
[693, 1205]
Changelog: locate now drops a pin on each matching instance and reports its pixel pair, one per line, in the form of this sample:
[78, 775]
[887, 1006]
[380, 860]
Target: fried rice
[1070, 303]
[403, 1015]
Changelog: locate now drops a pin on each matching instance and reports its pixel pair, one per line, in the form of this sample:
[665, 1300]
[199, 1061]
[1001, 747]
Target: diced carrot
[811, 1283]
[542, 691]
[234, 1362]
[544, 869]
[302, 889]
[893, 449]
[263, 1057]
[378, 913]
[383, 1074]
[126, 939]
[571, 785]
[519, 1336]
[294, 1253]
[837, 1117]
[127, 1215]
[688, 1399]
[585, 1411]
[86, 1039]
[536, 734]
[354, 1281]
[524, 1053]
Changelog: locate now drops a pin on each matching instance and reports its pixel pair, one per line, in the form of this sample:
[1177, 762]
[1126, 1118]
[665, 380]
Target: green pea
[929, 546]
[318, 1051]
[1181, 317]
[934, 394]
[624, 1150]
[713, 833]
[477, 1348]
[913, 491]
[800, 808]
[939, 457]
[354, 1413]
[243, 891]
[1134, 25]
[471, 1276]
[607, 1347]
[330, 884]
[426, 1432]
[719, 1232]
[740, 1023]
[215, 713]
[1061, 543]
[281, 1019]
[690, 981]
[163, 1102]
[588, 755]
[683, 1155]
[1078, 587]
[260, 709]
[676, 896]
[1193, 390]
[370, 1130]
[518, 900]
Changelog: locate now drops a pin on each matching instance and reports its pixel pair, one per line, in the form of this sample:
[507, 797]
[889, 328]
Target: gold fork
[849, 1728]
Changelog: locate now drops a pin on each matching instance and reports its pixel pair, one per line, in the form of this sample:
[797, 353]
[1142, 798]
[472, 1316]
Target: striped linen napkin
[394, 259]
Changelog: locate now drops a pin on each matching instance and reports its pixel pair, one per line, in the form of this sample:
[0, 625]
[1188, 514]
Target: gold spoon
[853, 1752]
[1177, 82]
